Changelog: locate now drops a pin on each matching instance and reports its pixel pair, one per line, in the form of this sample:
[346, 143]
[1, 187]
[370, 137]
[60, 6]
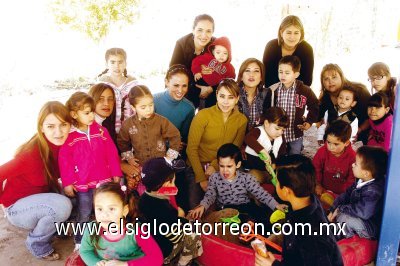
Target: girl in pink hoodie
[88, 157]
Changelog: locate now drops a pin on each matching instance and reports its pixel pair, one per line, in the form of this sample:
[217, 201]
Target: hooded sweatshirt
[220, 70]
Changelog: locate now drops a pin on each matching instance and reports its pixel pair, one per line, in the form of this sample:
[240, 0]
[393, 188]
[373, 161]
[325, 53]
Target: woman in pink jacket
[87, 158]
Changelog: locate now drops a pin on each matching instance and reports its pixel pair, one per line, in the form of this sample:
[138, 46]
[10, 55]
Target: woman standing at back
[290, 41]
[190, 46]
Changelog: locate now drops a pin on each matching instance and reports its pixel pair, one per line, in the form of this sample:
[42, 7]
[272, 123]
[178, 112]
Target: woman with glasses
[381, 80]
[211, 128]
[332, 81]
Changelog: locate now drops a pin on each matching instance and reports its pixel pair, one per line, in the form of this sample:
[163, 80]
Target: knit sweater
[87, 159]
[135, 249]
[273, 53]
[25, 175]
[334, 173]
[148, 138]
[235, 192]
[180, 113]
[304, 97]
[208, 132]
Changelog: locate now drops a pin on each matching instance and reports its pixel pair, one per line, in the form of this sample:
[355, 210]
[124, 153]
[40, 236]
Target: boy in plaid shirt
[293, 96]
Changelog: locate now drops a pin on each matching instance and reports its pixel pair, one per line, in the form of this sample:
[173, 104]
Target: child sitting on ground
[293, 96]
[333, 161]
[360, 207]
[155, 209]
[267, 140]
[380, 121]
[296, 183]
[111, 248]
[346, 100]
[230, 187]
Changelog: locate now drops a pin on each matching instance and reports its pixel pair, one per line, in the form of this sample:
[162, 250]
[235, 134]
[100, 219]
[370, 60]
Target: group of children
[90, 165]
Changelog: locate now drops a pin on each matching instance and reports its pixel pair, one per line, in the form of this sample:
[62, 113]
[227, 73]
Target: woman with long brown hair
[30, 189]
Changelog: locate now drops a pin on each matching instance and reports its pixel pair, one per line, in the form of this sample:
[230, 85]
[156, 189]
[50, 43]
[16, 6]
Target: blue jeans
[196, 193]
[38, 213]
[85, 206]
[295, 147]
[354, 226]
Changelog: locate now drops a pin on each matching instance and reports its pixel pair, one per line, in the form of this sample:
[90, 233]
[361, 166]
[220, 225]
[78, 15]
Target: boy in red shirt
[333, 161]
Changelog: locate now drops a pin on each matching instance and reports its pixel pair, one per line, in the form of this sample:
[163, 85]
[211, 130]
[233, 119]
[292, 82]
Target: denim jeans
[196, 193]
[38, 213]
[295, 147]
[354, 226]
[85, 206]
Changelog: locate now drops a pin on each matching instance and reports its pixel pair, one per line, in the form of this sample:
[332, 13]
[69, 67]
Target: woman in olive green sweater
[211, 128]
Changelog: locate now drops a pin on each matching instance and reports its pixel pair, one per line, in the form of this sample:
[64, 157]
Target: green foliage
[94, 17]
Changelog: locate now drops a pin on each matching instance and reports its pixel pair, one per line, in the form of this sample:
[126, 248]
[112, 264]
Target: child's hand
[101, 263]
[133, 161]
[319, 190]
[116, 179]
[181, 212]
[282, 207]
[197, 212]
[205, 70]
[70, 191]
[261, 261]
[266, 155]
[332, 216]
[197, 76]
[116, 263]
[305, 126]
[321, 142]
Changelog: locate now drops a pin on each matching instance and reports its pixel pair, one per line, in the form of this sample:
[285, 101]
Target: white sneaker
[77, 247]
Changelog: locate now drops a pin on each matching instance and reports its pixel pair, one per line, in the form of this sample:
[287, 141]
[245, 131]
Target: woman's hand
[210, 170]
[332, 216]
[130, 170]
[101, 263]
[205, 91]
[134, 162]
[204, 185]
[70, 191]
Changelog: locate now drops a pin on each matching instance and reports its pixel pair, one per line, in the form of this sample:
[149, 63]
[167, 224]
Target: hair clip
[123, 188]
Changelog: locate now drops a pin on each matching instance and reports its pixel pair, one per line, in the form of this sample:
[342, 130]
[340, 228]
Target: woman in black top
[290, 41]
[190, 46]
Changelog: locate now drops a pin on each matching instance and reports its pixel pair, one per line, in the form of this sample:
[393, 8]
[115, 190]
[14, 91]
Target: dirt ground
[12, 239]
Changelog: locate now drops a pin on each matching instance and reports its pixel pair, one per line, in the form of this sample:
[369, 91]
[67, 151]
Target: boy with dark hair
[296, 183]
[230, 187]
[333, 161]
[293, 96]
[360, 207]
[346, 100]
